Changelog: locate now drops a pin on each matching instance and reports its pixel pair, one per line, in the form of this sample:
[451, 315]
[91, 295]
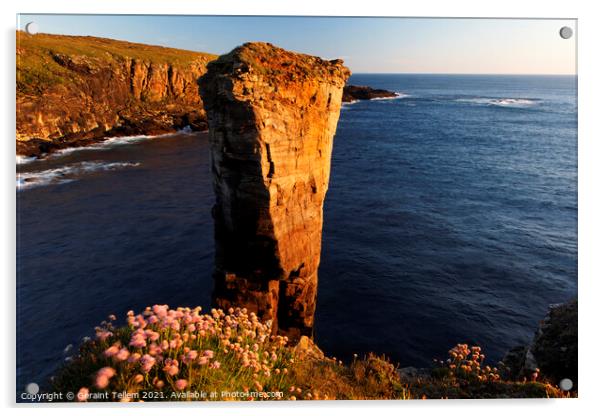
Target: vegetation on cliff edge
[183, 354]
[37, 55]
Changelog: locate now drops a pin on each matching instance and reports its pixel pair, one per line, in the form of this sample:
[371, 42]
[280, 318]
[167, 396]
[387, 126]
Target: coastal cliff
[74, 90]
[272, 117]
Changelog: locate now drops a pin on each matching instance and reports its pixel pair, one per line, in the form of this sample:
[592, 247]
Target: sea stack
[272, 117]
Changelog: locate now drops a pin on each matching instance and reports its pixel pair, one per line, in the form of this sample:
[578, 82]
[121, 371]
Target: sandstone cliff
[72, 90]
[272, 117]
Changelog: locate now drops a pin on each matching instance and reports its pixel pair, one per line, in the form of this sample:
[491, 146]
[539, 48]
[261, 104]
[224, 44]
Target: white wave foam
[112, 142]
[106, 144]
[22, 160]
[500, 102]
[65, 174]
[398, 95]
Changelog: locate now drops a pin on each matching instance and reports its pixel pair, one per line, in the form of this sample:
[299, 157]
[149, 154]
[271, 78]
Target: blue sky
[470, 46]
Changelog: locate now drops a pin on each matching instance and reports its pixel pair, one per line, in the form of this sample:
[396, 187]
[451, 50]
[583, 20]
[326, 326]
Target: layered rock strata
[272, 117]
[75, 90]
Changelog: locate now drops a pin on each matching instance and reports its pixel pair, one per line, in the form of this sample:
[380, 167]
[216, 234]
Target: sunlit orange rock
[272, 117]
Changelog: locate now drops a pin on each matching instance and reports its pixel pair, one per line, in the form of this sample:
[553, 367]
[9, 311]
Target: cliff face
[272, 117]
[72, 90]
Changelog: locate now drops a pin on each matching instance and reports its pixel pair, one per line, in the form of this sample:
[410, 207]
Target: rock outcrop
[74, 90]
[272, 116]
[353, 93]
[553, 350]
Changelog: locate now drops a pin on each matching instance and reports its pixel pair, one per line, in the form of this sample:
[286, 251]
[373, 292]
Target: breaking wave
[398, 96]
[500, 102]
[65, 174]
[112, 142]
[22, 160]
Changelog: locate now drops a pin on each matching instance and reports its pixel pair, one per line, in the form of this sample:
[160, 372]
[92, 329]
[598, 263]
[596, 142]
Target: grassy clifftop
[75, 89]
[38, 68]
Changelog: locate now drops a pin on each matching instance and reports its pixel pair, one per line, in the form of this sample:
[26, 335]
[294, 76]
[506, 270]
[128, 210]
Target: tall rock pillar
[272, 117]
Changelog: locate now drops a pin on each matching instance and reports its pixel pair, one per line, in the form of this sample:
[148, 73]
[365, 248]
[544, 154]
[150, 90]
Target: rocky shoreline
[38, 148]
[74, 91]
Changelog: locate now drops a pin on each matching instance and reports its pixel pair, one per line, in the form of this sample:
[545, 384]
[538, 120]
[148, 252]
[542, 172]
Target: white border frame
[590, 200]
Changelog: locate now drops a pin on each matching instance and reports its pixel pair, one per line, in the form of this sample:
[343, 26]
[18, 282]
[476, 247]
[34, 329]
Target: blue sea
[451, 217]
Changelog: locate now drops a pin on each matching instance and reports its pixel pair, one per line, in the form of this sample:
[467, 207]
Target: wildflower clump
[466, 375]
[467, 363]
[163, 353]
[184, 354]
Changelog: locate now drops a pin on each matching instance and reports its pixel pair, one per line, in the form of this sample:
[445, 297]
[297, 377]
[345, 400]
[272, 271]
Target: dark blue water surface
[451, 217]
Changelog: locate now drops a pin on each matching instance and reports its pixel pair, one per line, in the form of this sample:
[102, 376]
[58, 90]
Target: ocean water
[451, 217]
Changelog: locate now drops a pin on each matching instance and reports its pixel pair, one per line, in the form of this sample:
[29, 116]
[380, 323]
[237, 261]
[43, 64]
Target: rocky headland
[353, 93]
[75, 90]
[272, 117]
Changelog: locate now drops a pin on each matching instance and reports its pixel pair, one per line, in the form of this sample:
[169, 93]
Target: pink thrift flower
[147, 362]
[122, 355]
[82, 394]
[107, 371]
[101, 381]
[203, 360]
[154, 349]
[152, 335]
[160, 310]
[103, 335]
[172, 370]
[208, 353]
[215, 364]
[181, 384]
[190, 356]
[134, 357]
[138, 340]
[111, 351]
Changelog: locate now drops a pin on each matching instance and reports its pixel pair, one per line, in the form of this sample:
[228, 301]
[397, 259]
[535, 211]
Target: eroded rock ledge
[272, 117]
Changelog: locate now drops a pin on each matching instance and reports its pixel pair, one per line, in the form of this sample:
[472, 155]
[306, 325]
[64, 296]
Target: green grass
[37, 68]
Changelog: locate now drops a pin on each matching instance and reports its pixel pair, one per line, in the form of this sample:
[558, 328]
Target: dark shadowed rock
[553, 349]
[353, 93]
[272, 117]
